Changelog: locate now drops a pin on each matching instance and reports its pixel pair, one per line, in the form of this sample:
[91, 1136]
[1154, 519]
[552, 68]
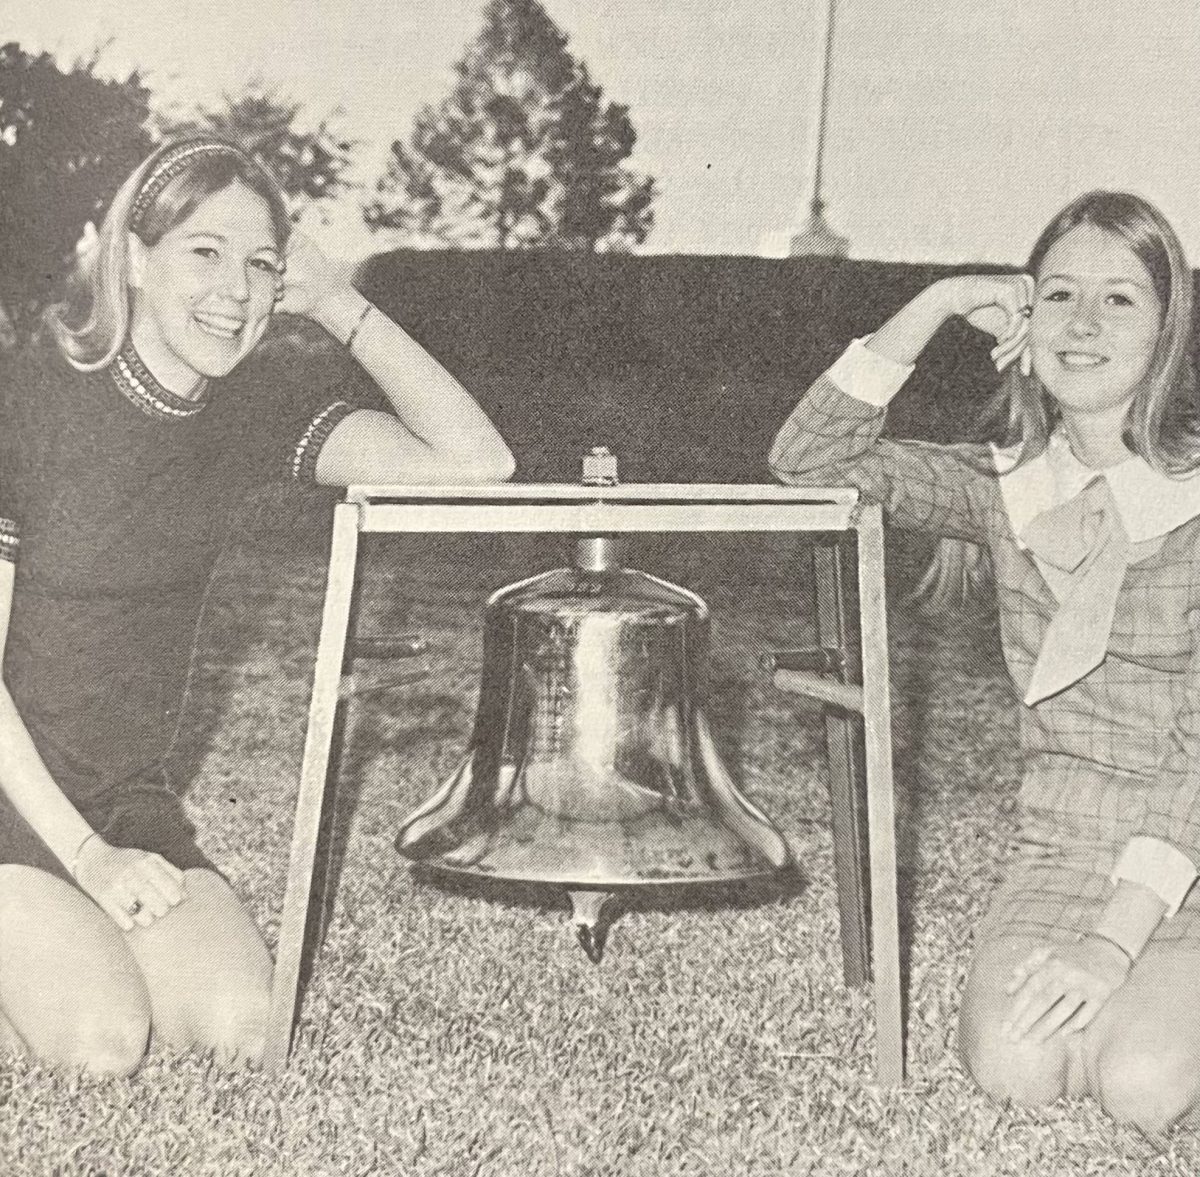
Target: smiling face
[203, 294]
[1096, 320]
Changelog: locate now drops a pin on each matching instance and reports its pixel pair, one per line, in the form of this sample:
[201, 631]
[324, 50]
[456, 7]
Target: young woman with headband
[126, 446]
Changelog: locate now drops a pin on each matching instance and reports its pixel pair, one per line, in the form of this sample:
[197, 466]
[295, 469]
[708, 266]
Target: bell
[592, 765]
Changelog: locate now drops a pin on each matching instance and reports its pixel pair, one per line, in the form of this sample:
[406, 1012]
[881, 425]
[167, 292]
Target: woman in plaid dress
[127, 445]
[1084, 976]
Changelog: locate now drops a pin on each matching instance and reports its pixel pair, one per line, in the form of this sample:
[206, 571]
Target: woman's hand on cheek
[1013, 346]
[310, 278]
[1060, 989]
[1000, 306]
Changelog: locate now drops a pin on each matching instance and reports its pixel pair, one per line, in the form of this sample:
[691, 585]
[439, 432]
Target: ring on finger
[134, 907]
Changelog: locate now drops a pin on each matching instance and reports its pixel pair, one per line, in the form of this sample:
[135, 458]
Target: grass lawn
[463, 1034]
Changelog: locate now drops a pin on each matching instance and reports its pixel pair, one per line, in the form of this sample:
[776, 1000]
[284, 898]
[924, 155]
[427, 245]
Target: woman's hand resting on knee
[132, 887]
[1060, 988]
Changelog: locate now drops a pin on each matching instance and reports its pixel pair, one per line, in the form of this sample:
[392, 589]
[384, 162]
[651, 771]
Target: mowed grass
[458, 1032]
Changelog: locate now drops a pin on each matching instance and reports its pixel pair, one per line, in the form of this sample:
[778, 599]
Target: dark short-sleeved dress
[115, 500]
[1114, 756]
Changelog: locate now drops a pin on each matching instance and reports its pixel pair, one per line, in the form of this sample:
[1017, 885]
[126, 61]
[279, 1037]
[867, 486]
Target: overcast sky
[957, 126]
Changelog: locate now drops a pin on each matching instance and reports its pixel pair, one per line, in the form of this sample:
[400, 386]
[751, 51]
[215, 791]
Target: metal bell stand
[865, 857]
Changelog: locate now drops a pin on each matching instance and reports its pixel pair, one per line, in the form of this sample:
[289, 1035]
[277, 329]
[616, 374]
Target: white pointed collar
[1150, 503]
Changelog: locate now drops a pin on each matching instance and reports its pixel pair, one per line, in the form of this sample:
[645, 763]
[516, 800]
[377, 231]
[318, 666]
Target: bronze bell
[592, 765]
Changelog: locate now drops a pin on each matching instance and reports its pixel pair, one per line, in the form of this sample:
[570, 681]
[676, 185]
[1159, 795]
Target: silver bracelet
[79, 851]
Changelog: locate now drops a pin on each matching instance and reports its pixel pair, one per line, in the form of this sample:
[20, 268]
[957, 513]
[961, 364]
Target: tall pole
[817, 204]
[817, 237]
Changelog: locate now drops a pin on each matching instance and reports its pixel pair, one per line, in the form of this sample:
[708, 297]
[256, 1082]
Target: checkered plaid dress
[1115, 755]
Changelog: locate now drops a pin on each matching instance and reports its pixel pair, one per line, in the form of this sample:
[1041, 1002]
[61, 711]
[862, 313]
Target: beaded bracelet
[354, 330]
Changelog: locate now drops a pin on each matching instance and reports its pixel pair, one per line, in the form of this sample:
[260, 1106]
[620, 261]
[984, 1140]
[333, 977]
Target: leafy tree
[522, 152]
[310, 165]
[67, 140]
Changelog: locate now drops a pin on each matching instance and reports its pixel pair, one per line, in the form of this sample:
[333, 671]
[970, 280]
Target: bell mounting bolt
[598, 553]
[600, 467]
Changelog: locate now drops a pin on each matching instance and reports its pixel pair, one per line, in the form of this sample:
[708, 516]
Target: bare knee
[209, 973]
[1028, 1073]
[71, 992]
[1149, 1088]
[112, 1045]
[234, 1027]
[107, 1036]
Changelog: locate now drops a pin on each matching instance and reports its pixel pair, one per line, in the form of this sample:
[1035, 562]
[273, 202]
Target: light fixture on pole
[817, 238]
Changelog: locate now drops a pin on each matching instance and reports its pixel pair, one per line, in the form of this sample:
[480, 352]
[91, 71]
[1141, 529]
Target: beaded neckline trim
[135, 382]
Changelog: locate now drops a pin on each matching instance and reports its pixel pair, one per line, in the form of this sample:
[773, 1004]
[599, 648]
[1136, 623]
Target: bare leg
[10, 1041]
[70, 990]
[1140, 1057]
[1143, 1050]
[208, 972]
[1027, 1073]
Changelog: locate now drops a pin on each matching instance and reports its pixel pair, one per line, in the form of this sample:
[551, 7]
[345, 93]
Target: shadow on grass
[638, 899]
[595, 922]
[649, 897]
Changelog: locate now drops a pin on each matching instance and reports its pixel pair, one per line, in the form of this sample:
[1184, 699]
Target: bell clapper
[587, 909]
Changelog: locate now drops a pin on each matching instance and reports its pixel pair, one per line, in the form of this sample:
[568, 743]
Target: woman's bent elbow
[502, 465]
[783, 472]
[781, 460]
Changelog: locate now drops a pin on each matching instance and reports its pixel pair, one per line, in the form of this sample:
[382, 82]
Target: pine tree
[523, 152]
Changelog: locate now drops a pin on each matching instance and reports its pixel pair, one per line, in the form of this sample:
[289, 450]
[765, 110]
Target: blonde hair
[92, 321]
[1163, 425]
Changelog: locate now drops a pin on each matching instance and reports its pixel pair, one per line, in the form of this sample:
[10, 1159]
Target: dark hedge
[685, 366]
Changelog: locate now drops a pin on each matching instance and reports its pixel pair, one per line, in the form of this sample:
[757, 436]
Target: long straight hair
[1163, 423]
[1163, 426]
[90, 325]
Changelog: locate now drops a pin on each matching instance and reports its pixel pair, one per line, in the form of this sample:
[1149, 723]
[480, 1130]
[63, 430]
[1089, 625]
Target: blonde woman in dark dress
[126, 446]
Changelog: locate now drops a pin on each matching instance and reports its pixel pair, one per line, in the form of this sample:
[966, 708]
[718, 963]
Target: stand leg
[881, 815]
[331, 649]
[844, 747]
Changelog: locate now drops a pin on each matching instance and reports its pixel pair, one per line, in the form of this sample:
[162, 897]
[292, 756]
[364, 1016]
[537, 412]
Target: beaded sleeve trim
[303, 463]
[134, 381]
[10, 540]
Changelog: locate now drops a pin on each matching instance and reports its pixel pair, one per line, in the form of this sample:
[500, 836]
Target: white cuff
[1156, 864]
[867, 376]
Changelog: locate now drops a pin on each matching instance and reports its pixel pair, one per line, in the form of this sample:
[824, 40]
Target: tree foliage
[523, 152]
[67, 140]
[310, 164]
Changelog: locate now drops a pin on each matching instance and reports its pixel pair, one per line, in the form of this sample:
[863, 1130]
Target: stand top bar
[627, 492]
